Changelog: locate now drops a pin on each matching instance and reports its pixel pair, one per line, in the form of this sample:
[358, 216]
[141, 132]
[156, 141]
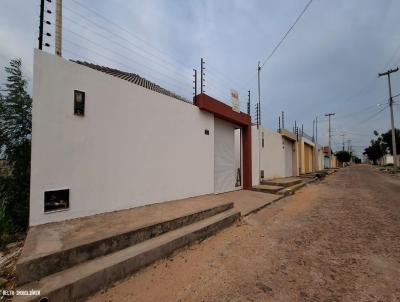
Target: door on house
[288, 146]
[326, 162]
[307, 158]
[225, 174]
[238, 158]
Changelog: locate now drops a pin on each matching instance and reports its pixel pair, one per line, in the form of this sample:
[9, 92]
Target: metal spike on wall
[195, 82]
[202, 85]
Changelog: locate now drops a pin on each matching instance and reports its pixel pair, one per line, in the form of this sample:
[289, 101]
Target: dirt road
[335, 240]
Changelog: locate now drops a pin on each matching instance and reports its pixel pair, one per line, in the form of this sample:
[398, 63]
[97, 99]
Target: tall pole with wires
[259, 121]
[259, 95]
[330, 150]
[342, 135]
[387, 73]
[316, 143]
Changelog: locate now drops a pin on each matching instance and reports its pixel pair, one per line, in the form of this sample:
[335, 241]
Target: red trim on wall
[225, 112]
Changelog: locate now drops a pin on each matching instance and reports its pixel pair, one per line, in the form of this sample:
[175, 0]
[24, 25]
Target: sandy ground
[335, 240]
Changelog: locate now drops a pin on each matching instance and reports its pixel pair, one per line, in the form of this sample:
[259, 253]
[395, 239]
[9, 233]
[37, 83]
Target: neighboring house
[334, 161]
[387, 159]
[320, 157]
[306, 155]
[274, 154]
[105, 140]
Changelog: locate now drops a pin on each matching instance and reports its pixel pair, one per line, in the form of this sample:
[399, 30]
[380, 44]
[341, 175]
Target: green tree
[343, 156]
[376, 149]
[387, 139]
[15, 150]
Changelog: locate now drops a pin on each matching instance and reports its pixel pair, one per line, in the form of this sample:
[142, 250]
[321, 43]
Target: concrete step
[267, 188]
[34, 268]
[85, 279]
[290, 190]
[283, 182]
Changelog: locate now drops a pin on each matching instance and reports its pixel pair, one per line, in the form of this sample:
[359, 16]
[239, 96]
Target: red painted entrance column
[225, 112]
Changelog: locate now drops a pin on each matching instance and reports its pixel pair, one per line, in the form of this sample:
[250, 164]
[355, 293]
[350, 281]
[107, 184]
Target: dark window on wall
[56, 200]
[262, 173]
[262, 140]
[79, 103]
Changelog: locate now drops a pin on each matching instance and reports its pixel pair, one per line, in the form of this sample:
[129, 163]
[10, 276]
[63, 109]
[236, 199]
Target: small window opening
[56, 200]
[79, 103]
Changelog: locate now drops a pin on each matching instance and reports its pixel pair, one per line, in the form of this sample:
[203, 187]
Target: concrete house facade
[274, 154]
[105, 140]
[333, 163]
[306, 155]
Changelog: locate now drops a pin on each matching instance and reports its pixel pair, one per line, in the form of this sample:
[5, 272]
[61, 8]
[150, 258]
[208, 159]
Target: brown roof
[134, 78]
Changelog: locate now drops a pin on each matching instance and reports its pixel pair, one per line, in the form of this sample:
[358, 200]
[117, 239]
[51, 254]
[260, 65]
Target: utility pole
[330, 150]
[58, 38]
[41, 24]
[259, 120]
[313, 132]
[348, 144]
[395, 163]
[202, 75]
[342, 135]
[316, 141]
[259, 96]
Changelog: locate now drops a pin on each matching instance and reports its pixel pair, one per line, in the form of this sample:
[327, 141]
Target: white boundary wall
[273, 159]
[133, 147]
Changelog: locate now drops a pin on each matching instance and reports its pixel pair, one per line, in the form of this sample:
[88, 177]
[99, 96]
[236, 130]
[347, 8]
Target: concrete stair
[267, 188]
[79, 272]
[318, 174]
[283, 182]
[292, 189]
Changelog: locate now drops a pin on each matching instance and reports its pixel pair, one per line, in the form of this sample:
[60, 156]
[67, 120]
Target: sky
[329, 62]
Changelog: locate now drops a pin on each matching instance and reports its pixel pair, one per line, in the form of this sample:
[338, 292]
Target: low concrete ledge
[29, 270]
[81, 281]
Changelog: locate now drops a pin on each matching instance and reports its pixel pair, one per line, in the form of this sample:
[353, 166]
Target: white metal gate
[224, 156]
[288, 158]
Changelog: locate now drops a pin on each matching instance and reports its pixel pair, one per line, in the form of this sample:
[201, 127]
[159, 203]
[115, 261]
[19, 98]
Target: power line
[149, 77]
[279, 43]
[114, 35]
[109, 21]
[374, 115]
[118, 54]
[287, 33]
[175, 73]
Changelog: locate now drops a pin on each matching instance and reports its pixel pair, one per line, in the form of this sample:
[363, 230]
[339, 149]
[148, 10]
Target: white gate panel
[224, 156]
[288, 158]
